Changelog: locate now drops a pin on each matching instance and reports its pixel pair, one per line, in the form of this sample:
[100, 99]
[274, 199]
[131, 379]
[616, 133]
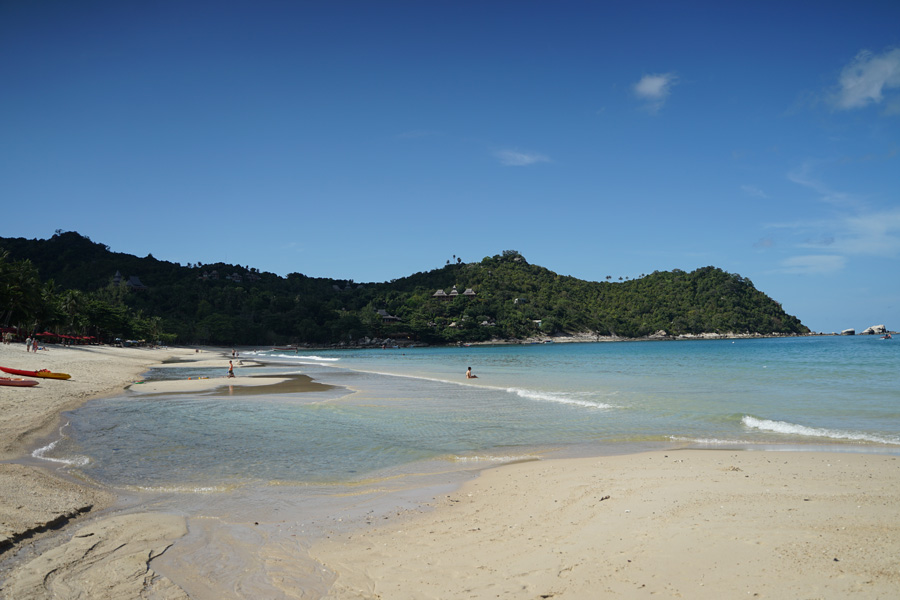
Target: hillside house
[454, 293]
[387, 318]
[132, 283]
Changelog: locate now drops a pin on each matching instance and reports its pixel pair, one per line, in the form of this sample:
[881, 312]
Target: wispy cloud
[867, 234]
[867, 77]
[803, 176]
[852, 229]
[514, 158]
[654, 90]
[752, 190]
[813, 264]
[873, 234]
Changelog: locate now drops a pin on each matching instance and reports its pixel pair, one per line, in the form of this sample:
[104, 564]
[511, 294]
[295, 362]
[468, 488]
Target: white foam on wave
[495, 459]
[308, 357]
[803, 430]
[73, 461]
[182, 489]
[561, 398]
[708, 441]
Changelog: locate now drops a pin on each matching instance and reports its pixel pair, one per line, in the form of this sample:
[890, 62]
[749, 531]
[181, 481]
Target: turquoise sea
[399, 411]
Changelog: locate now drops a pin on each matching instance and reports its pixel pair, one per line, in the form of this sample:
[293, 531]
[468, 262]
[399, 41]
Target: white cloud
[814, 264]
[513, 158]
[865, 79]
[655, 90]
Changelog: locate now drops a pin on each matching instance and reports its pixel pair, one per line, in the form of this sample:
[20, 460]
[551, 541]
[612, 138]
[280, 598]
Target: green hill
[507, 298]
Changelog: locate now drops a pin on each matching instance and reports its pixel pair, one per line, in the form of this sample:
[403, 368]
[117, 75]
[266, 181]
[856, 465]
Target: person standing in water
[470, 375]
[230, 369]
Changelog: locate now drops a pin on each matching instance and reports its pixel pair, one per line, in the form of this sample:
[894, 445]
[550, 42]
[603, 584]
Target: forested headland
[71, 285]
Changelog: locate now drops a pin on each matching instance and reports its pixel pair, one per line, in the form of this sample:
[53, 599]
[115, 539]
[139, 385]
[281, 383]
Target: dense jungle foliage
[68, 284]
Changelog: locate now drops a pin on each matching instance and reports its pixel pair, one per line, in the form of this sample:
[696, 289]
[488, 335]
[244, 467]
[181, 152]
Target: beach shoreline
[35, 499]
[677, 523]
[28, 415]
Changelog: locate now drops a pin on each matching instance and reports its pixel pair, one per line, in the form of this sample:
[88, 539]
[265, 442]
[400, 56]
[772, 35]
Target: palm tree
[71, 304]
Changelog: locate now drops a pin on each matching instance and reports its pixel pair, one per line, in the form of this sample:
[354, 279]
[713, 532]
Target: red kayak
[42, 373]
[17, 382]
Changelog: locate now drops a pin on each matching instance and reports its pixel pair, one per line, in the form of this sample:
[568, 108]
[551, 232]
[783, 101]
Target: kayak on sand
[46, 374]
[17, 382]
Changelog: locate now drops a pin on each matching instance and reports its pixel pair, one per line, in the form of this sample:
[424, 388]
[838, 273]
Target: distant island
[71, 286]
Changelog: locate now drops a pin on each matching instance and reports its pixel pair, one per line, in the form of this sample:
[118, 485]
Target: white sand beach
[683, 524]
[673, 524]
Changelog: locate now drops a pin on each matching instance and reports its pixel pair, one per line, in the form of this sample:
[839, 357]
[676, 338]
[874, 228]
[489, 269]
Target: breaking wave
[574, 398]
[311, 357]
[803, 430]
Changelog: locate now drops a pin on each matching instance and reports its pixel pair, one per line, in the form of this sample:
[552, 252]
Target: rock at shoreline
[848, 332]
[875, 329]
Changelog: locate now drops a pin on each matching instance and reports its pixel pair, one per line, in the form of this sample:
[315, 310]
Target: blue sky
[372, 140]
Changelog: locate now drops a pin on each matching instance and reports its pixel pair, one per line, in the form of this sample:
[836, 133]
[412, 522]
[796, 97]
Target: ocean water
[396, 412]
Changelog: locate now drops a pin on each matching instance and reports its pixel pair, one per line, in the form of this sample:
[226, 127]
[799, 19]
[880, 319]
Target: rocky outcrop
[875, 329]
[848, 332]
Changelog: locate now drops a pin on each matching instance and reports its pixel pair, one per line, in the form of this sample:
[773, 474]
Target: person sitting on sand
[470, 375]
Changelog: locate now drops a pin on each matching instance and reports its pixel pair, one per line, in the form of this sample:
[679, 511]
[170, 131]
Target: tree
[510, 293]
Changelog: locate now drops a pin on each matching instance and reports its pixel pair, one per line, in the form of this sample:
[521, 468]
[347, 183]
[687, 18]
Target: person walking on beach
[470, 375]
[230, 369]
[28, 344]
